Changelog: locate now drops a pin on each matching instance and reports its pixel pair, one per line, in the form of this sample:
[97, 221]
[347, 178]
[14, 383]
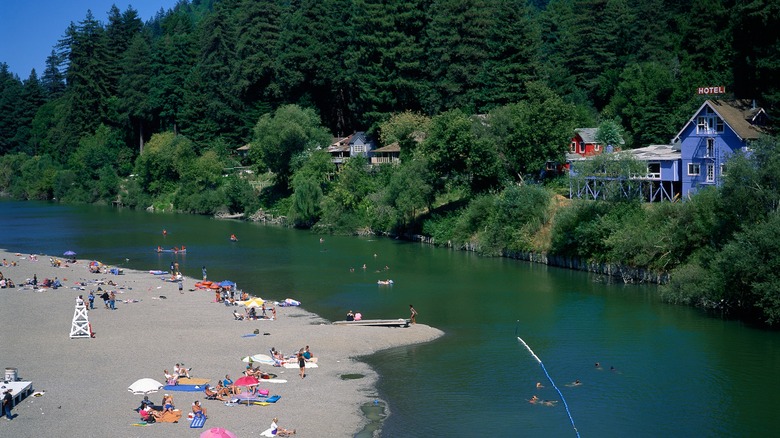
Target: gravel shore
[86, 380]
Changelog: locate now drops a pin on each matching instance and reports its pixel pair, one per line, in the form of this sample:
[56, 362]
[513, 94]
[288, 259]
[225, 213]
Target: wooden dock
[19, 390]
[376, 322]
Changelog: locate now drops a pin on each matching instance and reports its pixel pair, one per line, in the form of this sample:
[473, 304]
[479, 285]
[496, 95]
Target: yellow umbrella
[254, 302]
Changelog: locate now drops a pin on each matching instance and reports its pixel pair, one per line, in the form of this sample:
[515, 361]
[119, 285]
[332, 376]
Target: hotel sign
[712, 90]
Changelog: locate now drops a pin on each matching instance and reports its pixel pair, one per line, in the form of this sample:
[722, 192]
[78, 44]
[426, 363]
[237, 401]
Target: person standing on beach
[413, 316]
[302, 363]
[203, 270]
[7, 400]
[112, 300]
[181, 286]
[91, 300]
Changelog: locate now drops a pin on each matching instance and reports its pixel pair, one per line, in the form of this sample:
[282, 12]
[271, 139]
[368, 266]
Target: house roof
[655, 152]
[742, 116]
[358, 136]
[394, 147]
[588, 135]
[340, 144]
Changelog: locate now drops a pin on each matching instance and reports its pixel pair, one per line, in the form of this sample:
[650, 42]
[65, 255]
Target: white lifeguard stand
[80, 327]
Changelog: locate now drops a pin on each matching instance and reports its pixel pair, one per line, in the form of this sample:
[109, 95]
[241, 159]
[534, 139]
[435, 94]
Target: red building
[584, 143]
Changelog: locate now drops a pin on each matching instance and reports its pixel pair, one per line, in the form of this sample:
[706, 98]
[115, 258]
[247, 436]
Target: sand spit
[85, 380]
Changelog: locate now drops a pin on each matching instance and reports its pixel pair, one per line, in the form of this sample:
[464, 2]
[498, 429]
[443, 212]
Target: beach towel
[192, 381]
[184, 388]
[170, 417]
[198, 421]
[294, 365]
[273, 398]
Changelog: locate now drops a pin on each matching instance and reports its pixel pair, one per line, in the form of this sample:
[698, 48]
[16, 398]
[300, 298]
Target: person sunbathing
[309, 356]
[149, 414]
[167, 403]
[222, 391]
[278, 431]
[169, 378]
[210, 394]
[237, 316]
[181, 371]
[228, 383]
[197, 410]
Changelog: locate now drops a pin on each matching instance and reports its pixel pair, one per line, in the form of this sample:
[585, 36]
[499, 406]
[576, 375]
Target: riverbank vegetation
[150, 115]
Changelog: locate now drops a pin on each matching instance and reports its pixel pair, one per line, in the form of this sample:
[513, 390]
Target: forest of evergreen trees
[209, 69]
[478, 93]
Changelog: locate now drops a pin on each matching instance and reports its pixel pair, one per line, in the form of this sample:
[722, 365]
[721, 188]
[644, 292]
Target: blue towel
[198, 422]
[273, 398]
[185, 388]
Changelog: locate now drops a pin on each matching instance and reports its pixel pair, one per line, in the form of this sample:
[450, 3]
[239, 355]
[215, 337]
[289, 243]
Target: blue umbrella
[226, 283]
[69, 253]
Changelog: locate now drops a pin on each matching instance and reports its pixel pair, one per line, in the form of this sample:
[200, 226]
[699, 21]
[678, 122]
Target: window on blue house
[654, 170]
[710, 172]
[694, 169]
[722, 169]
[709, 122]
[710, 147]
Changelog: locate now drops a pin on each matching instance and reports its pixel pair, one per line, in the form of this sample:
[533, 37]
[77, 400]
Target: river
[676, 372]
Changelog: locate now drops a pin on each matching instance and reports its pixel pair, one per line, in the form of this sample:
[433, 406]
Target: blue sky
[29, 29]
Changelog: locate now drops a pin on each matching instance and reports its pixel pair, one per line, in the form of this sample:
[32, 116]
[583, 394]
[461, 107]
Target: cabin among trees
[584, 142]
[697, 156]
[357, 144]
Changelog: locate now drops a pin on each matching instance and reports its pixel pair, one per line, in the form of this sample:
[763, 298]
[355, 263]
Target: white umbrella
[145, 386]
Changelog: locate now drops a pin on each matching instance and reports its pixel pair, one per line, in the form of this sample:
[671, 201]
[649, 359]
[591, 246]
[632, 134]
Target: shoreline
[85, 380]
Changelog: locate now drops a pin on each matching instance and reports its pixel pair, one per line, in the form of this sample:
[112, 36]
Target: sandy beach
[86, 380]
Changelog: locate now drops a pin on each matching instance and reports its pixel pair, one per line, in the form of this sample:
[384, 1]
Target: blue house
[717, 130]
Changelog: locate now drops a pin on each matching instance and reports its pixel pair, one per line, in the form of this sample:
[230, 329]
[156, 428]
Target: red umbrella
[246, 381]
[217, 432]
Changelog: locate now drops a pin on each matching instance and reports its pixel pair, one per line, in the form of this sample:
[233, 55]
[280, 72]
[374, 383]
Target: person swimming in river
[233, 238]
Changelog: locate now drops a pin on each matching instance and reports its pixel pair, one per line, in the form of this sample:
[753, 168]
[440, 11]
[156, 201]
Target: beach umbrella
[145, 386]
[254, 302]
[246, 381]
[217, 432]
[69, 253]
[226, 283]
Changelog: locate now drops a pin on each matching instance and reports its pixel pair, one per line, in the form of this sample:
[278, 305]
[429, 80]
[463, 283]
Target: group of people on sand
[179, 371]
[250, 314]
[151, 413]
[5, 282]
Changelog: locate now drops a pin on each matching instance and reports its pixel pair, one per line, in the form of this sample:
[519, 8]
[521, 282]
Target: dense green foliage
[478, 94]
